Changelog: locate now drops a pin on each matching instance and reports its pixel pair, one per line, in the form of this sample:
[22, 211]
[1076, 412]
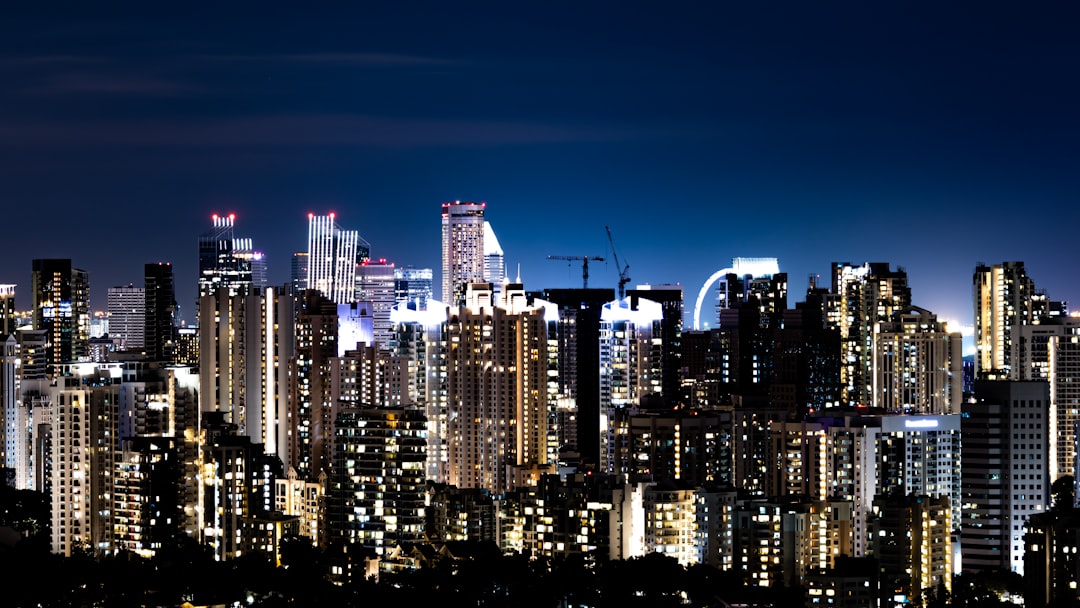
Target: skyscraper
[244, 362]
[494, 262]
[1004, 299]
[412, 287]
[160, 306]
[375, 284]
[7, 310]
[332, 258]
[62, 309]
[462, 248]
[298, 272]
[862, 296]
[1004, 471]
[496, 369]
[127, 316]
[224, 260]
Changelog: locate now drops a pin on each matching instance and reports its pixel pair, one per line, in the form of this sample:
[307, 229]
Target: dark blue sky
[931, 136]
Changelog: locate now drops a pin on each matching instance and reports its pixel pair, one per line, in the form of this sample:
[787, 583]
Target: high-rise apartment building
[333, 254]
[577, 337]
[127, 316]
[1004, 471]
[417, 366]
[312, 407]
[1049, 350]
[377, 488]
[917, 364]
[62, 309]
[462, 248]
[863, 296]
[497, 410]
[160, 306]
[1005, 299]
[246, 343]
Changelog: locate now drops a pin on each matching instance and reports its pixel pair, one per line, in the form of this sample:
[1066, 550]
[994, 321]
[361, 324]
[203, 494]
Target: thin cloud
[350, 59]
[108, 84]
[318, 130]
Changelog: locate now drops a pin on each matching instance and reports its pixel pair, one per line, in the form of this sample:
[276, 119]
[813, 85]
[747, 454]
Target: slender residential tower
[462, 249]
[1004, 300]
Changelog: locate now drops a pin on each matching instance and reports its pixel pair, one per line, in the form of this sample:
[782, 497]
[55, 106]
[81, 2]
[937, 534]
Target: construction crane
[584, 264]
[622, 270]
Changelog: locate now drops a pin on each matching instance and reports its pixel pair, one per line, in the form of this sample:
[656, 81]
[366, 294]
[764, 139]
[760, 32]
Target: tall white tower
[332, 258]
[462, 248]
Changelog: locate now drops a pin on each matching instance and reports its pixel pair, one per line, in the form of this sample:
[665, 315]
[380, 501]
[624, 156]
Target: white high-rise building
[244, 362]
[332, 258]
[462, 248]
[127, 316]
[1049, 350]
[494, 262]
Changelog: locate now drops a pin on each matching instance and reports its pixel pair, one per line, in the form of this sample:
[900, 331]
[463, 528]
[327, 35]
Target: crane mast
[624, 278]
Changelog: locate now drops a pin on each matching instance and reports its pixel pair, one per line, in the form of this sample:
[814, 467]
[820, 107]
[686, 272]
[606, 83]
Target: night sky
[932, 136]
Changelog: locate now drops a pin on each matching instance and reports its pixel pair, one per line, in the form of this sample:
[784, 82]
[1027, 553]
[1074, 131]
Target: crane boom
[584, 264]
[624, 278]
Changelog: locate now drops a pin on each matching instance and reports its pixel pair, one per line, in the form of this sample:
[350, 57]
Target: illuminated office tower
[1049, 350]
[1004, 300]
[462, 249]
[375, 284]
[8, 322]
[917, 364]
[333, 254]
[160, 325]
[62, 309]
[863, 296]
[494, 262]
[224, 260]
[298, 272]
[412, 287]
[1004, 472]
[496, 368]
[377, 487]
[246, 342]
[127, 316]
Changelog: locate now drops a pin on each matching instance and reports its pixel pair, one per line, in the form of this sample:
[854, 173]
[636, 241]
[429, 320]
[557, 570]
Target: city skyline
[919, 138]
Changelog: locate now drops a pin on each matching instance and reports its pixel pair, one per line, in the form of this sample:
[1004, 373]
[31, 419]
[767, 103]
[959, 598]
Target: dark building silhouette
[159, 329]
[578, 335]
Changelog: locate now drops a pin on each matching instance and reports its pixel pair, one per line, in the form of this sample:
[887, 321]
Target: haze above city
[932, 137]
